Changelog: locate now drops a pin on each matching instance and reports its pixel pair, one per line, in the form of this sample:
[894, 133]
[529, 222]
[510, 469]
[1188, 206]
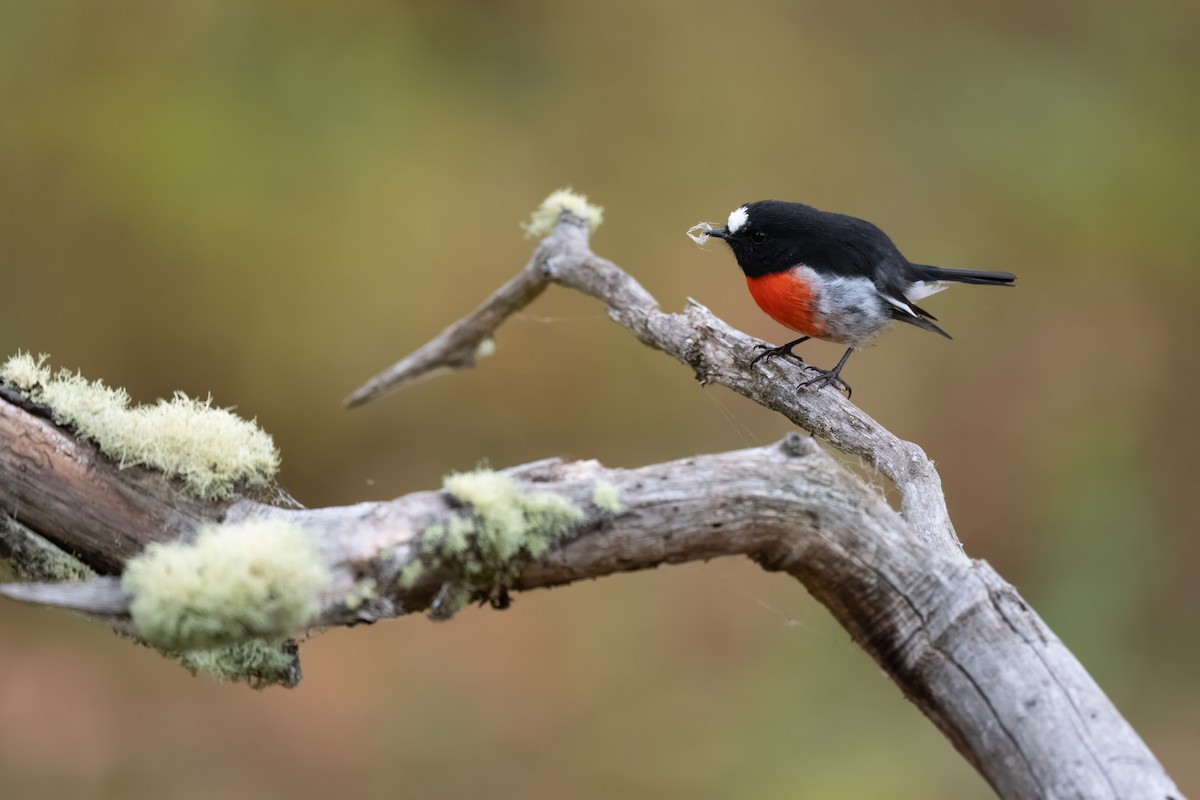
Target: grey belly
[851, 308]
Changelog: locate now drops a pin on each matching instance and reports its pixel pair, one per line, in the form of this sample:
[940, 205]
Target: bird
[832, 277]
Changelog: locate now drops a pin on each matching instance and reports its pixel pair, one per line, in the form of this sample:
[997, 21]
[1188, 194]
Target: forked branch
[716, 353]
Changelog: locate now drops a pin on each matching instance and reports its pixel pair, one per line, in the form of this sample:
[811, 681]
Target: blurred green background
[271, 201]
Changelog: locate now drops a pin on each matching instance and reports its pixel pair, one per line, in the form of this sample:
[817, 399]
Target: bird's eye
[758, 237]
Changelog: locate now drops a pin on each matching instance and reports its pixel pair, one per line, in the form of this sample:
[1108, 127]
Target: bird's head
[763, 235]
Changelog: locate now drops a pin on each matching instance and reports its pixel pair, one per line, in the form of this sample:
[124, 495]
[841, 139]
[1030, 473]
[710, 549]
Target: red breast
[789, 300]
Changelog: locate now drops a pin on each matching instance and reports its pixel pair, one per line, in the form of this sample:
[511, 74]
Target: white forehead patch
[737, 218]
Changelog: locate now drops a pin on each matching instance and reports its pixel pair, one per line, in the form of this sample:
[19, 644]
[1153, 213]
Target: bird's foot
[782, 350]
[826, 377]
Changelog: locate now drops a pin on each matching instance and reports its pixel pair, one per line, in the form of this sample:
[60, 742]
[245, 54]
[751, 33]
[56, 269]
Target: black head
[774, 236]
[766, 236]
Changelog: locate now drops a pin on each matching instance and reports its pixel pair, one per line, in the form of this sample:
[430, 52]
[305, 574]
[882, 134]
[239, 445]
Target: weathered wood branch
[716, 353]
[956, 638]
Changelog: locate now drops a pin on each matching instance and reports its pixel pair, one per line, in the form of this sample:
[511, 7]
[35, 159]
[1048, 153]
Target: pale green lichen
[432, 538]
[459, 533]
[213, 451]
[485, 549]
[362, 592]
[258, 662]
[411, 573]
[510, 521]
[254, 579]
[542, 220]
[24, 372]
[607, 498]
[486, 348]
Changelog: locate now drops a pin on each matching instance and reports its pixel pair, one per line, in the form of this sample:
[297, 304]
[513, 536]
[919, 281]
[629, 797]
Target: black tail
[930, 273]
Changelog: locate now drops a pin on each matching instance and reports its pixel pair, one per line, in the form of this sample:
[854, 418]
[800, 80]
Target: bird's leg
[782, 350]
[829, 377]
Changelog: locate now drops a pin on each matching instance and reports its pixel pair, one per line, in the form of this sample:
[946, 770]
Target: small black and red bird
[832, 277]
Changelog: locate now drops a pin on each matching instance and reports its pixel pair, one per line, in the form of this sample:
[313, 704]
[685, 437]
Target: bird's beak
[720, 233]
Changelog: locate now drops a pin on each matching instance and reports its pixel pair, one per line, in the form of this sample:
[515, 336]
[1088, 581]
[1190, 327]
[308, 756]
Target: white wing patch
[900, 304]
[916, 291]
[737, 218]
[922, 289]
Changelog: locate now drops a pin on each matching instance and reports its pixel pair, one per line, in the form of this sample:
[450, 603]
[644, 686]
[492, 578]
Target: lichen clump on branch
[255, 579]
[542, 220]
[506, 526]
[213, 451]
[257, 662]
[607, 498]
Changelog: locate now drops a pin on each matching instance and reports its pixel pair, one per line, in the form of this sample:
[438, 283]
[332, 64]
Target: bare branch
[457, 347]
